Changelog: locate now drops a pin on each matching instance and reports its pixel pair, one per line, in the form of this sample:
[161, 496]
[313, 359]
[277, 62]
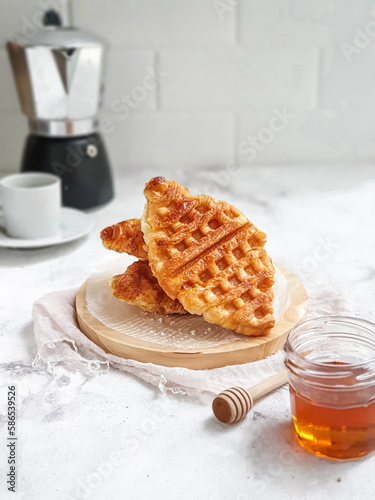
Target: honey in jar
[331, 370]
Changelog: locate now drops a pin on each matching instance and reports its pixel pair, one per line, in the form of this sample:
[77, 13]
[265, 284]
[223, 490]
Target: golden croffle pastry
[138, 286]
[125, 237]
[210, 257]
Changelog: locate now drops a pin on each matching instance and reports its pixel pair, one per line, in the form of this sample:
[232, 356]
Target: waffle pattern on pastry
[138, 286]
[210, 257]
[125, 237]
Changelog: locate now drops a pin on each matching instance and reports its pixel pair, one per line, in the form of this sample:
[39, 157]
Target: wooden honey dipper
[234, 404]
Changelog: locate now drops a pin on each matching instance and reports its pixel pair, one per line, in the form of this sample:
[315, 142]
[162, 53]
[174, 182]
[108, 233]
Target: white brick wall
[224, 74]
[238, 79]
[170, 139]
[156, 23]
[125, 70]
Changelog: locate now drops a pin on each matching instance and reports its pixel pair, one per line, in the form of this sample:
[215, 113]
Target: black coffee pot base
[80, 162]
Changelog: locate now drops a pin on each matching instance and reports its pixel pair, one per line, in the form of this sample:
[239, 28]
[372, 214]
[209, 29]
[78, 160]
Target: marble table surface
[114, 436]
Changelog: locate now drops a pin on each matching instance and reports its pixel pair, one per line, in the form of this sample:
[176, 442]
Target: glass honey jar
[331, 372]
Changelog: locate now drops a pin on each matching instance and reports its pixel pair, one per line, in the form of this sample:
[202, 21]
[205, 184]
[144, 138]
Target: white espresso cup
[31, 203]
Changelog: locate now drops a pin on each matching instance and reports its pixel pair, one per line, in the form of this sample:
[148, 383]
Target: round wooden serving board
[232, 353]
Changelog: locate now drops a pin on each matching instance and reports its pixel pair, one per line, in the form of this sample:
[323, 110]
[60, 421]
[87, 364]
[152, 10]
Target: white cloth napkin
[60, 341]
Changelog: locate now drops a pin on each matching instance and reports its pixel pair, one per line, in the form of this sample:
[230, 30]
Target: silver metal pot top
[58, 76]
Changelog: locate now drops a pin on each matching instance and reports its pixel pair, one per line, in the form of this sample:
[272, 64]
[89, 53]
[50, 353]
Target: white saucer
[74, 224]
